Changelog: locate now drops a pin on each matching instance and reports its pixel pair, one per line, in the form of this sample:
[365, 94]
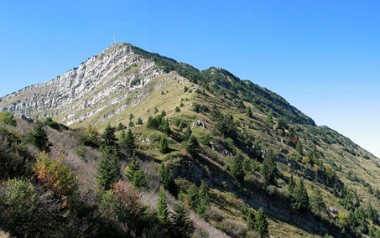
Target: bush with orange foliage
[56, 176]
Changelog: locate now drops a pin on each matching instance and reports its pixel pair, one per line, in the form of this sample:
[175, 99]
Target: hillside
[244, 146]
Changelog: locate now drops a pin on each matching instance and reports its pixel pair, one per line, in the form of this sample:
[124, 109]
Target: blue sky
[322, 56]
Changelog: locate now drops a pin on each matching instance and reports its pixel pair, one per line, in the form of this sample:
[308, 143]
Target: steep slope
[241, 127]
[122, 77]
[116, 78]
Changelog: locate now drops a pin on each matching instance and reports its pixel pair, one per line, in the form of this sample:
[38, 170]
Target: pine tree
[108, 170]
[299, 147]
[109, 138]
[127, 142]
[269, 170]
[192, 196]
[162, 207]
[132, 167]
[165, 127]
[250, 219]
[130, 142]
[192, 146]
[317, 203]
[164, 147]
[39, 138]
[301, 198]
[135, 174]
[269, 119]
[261, 224]
[203, 201]
[187, 134]
[291, 185]
[139, 179]
[236, 168]
[182, 226]
[165, 176]
[120, 127]
[139, 121]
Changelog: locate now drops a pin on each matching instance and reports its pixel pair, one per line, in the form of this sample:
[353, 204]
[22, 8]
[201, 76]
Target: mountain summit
[243, 160]
[122, 77]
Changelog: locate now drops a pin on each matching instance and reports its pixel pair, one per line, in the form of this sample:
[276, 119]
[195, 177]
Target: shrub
[21, 200]
[56, 176]
[7, 118]
[49, 122]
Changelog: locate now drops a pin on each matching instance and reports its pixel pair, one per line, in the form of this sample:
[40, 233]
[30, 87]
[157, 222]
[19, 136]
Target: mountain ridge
[239, 126]
[123, 51]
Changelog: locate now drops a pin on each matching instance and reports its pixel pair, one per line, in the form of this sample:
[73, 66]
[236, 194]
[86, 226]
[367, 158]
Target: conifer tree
[39, 138]
[139, 179]
[261, 224]
[236, 168]
[203, 201]
[127, 142]
[291, 185]
[120, 127]
[301, 198]
[192, 195]
[139, 121]
[135, 174]
[108, 170]
[164, 147]
[192, 146]
[132, 167]
[269, 170]
[317, 204]
[299, 147]
[250, 219]
[187, 134]
[165, 127]
[182, 226]
[165, 176]
[162, 207]
[130, 142]
[109, 138]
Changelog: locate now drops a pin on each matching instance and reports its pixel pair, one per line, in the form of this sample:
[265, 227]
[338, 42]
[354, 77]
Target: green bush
[7, 118]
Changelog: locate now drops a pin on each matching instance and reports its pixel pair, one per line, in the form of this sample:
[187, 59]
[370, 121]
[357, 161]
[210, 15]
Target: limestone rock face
[104, 81]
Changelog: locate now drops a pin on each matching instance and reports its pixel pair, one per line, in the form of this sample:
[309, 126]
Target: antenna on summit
[114, 37]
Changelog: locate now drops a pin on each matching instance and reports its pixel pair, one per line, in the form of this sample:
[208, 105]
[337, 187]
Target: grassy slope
[228, 196]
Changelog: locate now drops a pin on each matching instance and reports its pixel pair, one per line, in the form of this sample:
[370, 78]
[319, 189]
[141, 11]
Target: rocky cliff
[103, 81]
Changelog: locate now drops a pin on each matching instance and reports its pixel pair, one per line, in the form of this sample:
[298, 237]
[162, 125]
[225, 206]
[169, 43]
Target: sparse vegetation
[256, 151]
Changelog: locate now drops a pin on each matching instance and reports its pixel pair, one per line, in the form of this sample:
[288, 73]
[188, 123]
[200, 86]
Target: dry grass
[4, 234]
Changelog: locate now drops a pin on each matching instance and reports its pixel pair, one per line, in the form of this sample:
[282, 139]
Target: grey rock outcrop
[101, 85]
